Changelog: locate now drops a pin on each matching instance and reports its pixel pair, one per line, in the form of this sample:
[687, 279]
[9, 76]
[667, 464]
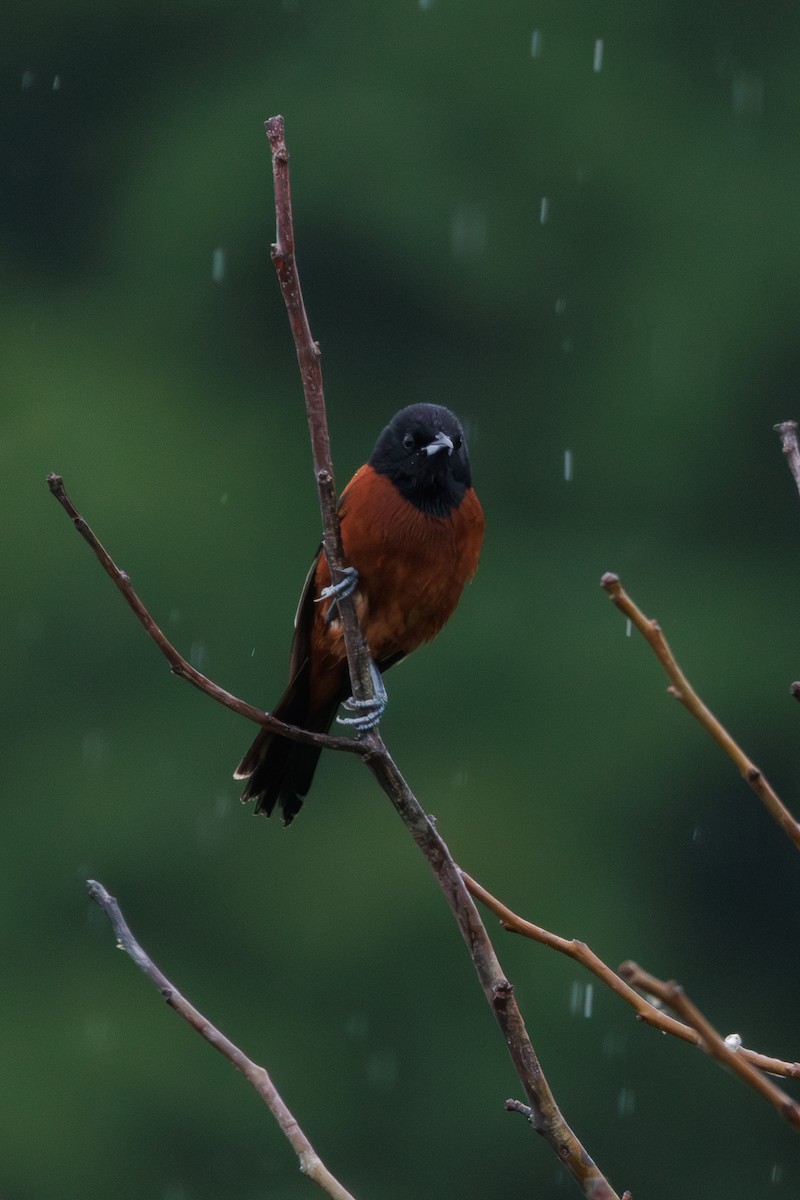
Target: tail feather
[279, 771]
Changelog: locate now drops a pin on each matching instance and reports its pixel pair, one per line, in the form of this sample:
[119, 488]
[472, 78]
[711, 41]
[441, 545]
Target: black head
[423, 451]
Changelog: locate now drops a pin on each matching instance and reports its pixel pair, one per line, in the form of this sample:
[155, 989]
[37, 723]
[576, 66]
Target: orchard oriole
[412, 530]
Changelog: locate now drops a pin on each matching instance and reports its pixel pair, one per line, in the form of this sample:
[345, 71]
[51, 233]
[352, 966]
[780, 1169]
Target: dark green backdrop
[596, 261]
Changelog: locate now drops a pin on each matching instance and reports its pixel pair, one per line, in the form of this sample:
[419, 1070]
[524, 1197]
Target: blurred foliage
[576, 225]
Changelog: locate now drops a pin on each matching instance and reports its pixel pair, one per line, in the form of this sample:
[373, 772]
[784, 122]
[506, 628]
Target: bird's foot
[372, 709]
[337, 591]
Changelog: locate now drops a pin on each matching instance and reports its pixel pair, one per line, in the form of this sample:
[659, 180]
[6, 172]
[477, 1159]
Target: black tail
[277, 770]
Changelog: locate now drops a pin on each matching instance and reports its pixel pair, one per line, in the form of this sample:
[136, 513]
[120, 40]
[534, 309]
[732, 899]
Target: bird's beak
[440, 442]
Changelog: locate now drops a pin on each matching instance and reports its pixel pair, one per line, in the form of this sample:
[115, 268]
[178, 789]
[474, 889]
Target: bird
[412, 532]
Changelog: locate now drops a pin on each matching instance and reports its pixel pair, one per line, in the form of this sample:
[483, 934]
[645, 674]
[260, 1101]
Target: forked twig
[712, 1042]
[683, 691]
[310, 1162]
[616, 981]
[545, 1116]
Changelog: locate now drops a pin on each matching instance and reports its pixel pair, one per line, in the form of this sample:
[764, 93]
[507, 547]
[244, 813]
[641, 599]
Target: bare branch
[711, 1042]
[581, 953]
[683, 691]
[545, 1116]
[310, 1162]
[308, 357]
[788, 435]
[179, 665]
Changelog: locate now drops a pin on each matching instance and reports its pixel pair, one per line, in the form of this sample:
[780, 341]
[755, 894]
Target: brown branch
[545, 1116]
[178, 664]
[683, 691]
[711, 1042]
[788, 435]
[581, 953]
[310, 1162]
[308, 358]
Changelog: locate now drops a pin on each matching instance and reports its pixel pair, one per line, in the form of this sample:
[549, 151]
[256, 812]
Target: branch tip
[519, 1107]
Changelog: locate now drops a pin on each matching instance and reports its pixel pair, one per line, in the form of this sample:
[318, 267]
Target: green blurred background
[578, 226]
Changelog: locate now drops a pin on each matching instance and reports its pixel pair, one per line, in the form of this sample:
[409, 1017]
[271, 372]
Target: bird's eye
[408, 441]
[458, 441]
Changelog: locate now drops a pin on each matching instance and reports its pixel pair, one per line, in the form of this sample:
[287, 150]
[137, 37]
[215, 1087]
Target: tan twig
[179, 665]
[310, 1162]
[581, 953]
[683, 691]
[711, 1042]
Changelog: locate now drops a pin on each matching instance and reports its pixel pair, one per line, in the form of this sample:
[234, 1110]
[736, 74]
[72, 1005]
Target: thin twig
[711, 1041]
[581, 953]
[683, 691]
[308, 358]
[310, 1162]
[545, 1116]
[178, 664]
[788, 435]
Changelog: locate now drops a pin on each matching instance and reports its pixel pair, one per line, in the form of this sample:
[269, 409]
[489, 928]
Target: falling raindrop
[614, 1045]
[175, 1191]
[218, 265]
[568, 466]
[581, 999]
[97, 1033]
[628, 627]
[599, 46]
[626, 1102]
[536, 43]
[468, 232]
[28, 78]
[747, 94]
[383, 1069]
[544, 210]
[776, 1173]
[94, 748]
[425, 4]
[56, 82]
[561, 306]
[357, 1027]
[198, 655]
[223, 498]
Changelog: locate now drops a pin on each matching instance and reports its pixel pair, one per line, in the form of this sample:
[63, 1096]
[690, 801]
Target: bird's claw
[343, 587]
[373, 709]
